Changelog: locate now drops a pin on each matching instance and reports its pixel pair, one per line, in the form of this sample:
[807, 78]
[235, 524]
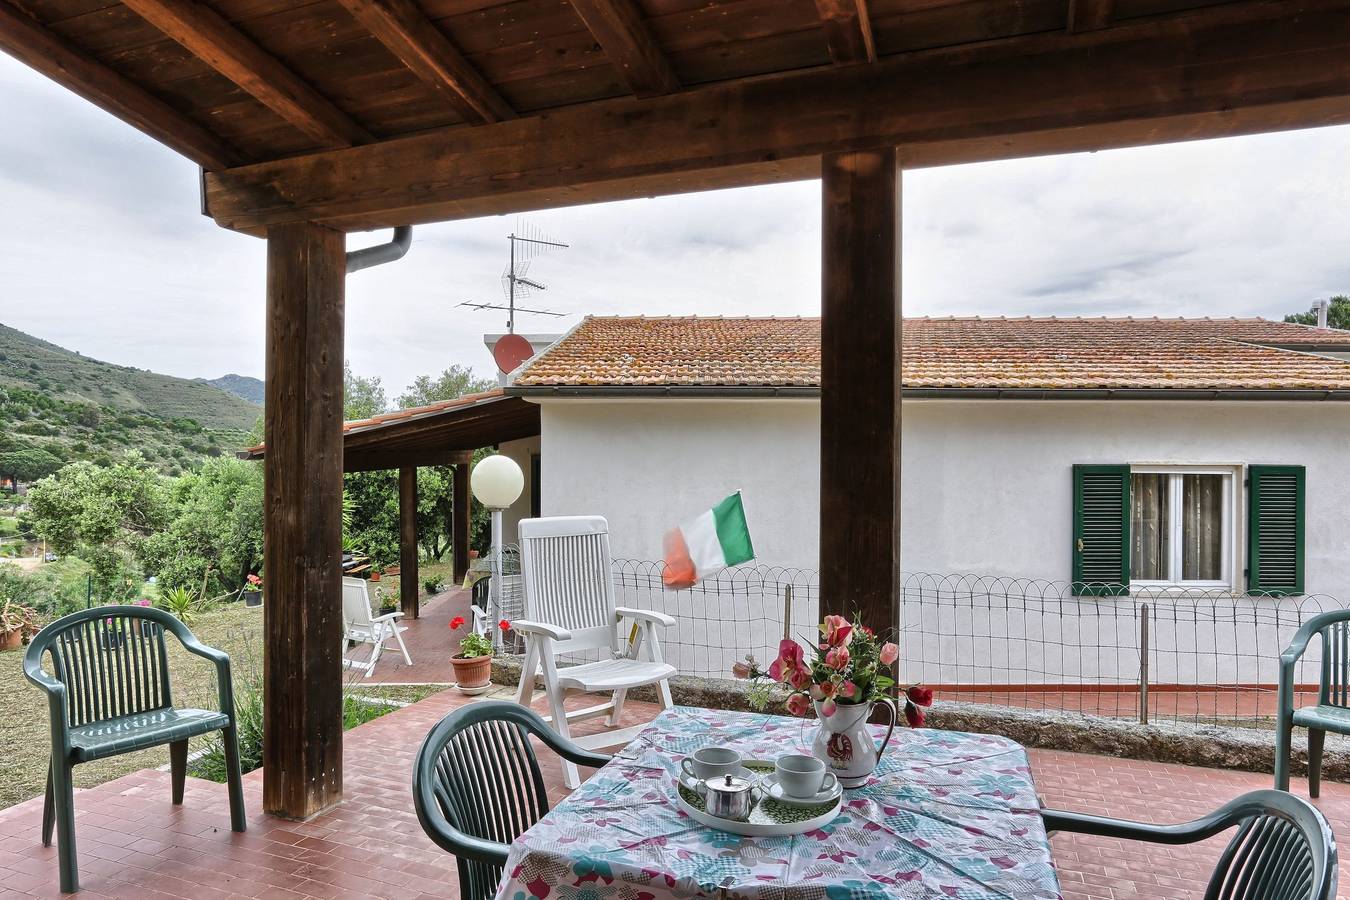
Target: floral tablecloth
[946, 815]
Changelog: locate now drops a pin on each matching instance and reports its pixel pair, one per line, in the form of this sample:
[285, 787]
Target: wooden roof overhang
[373, 113]
[435, 437]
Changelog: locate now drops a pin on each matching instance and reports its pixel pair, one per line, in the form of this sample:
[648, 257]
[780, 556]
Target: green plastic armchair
[1332, 711]
[1283, 848]
[477, 786]
[109, 693]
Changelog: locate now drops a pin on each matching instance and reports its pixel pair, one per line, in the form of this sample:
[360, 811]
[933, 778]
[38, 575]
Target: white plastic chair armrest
[543, 629]
[647, 615]
[387, 617]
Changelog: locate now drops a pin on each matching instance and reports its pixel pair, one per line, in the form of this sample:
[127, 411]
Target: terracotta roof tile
[977, 353]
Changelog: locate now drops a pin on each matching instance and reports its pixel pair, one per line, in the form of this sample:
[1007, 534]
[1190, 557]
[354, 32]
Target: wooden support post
[860, 387]
[302, 644]
[459, 529]
[407, 540]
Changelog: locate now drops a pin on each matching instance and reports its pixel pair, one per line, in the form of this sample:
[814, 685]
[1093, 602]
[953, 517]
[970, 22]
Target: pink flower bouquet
[849, 665]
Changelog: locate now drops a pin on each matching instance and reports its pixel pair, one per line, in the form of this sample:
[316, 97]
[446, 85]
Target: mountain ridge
[245, 387]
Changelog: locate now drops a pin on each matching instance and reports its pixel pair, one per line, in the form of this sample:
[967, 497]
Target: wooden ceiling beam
[212, 39]
[32, 44]
[1090, 15]
[848, 31]
[618, 26]
[1233, 70]
[421, 46]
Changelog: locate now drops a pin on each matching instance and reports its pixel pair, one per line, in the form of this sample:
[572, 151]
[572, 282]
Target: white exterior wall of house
[520, 452]
[986, 490]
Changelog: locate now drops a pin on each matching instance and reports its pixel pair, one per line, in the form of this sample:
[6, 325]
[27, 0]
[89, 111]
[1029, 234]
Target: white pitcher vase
[846, 745]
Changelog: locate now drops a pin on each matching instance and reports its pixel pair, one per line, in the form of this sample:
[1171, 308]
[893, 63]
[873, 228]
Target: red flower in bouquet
[914, 716]
[797, 704]
[838, 631]
[890, 652]
[789, 660]
[456, 623]
[920, 695]
[504, 625]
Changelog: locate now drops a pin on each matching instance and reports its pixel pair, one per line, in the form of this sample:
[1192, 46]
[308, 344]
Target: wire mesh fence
[1154, 655]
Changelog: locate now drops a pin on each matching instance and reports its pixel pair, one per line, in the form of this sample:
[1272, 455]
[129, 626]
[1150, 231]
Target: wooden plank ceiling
[231, 83]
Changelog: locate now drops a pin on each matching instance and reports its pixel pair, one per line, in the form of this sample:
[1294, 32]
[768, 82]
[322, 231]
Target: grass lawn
[25, 739]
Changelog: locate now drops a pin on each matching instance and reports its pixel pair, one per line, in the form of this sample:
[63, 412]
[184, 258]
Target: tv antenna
[516, 283]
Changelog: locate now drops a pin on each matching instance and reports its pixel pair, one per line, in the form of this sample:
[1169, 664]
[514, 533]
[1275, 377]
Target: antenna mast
[515, 281]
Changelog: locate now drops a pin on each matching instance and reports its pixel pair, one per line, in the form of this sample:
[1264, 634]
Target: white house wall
[986, 490]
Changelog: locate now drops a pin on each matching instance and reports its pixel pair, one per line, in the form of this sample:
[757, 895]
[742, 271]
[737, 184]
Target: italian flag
[707, 545]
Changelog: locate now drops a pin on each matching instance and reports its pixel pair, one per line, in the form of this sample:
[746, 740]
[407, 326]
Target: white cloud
[105, 251]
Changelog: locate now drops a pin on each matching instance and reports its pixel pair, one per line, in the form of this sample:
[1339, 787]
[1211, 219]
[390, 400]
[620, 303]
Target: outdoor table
[946, 815]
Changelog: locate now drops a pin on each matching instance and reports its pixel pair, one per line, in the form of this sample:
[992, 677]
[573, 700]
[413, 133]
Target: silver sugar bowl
[728, 797]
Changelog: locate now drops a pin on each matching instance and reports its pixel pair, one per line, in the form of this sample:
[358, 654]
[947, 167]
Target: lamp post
[496, 482]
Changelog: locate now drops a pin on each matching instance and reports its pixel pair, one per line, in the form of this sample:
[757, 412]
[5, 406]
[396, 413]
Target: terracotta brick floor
[430, 644]
[134, 844]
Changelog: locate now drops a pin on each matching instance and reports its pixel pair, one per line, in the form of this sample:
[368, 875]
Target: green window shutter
[1101, 531]
[1275, 529]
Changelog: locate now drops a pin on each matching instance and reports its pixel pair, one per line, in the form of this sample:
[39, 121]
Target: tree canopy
[104, 515]
[27, 464]
[1338, 316]
[362, 397]
[456, 381]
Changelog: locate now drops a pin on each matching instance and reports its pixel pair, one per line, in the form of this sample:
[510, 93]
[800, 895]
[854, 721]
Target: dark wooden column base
[860, 387]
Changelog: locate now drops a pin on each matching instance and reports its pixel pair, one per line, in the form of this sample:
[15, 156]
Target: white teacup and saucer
[802, 780]
[711, 762]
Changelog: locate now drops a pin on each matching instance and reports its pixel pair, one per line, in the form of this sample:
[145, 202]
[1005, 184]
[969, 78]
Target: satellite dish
[511, 351]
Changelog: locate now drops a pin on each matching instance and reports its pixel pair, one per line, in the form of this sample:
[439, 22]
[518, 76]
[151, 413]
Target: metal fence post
[1143, 664]
[787, 612]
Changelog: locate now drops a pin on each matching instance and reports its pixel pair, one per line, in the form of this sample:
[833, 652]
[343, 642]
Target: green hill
[75, 407]
[244, 386]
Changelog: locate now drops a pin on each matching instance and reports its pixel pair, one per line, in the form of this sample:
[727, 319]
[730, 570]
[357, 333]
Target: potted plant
[253, 591]
[434, 585]
[16, 623]
[374, 574]
[387, 601]
[473, 662]
[848, 675]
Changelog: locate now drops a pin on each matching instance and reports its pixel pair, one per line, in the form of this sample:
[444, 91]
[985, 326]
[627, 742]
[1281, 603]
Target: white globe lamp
[496, 483]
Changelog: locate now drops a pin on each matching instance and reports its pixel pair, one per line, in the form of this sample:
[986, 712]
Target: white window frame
[1228, 546]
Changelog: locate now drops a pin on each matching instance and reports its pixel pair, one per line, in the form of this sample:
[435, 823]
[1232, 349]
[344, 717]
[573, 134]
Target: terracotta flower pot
[11, 640]
[374, 576]
[473, 675]
[473, 554]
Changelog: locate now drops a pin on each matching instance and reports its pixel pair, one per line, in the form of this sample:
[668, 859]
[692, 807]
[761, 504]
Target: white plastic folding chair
[360, 627]
[568, 607]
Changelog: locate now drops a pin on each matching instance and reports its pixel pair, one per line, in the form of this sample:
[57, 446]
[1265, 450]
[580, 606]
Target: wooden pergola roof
[366, 113]
[437, 434]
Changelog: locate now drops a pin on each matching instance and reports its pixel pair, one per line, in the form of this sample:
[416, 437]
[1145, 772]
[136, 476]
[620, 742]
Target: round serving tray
[768, 818]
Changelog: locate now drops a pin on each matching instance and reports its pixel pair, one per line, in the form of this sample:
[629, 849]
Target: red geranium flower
[456, 623]
[504, 625]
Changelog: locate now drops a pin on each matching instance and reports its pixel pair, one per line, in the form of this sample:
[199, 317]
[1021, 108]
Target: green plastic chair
[1332, 711]
[1283, 850]
[477, 786]
[111, 694]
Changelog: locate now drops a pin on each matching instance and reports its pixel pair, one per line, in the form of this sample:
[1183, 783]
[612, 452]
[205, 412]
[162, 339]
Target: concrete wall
[987, 490]
[519, 451]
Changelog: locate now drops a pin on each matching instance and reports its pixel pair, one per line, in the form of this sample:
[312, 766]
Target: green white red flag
[710, 543]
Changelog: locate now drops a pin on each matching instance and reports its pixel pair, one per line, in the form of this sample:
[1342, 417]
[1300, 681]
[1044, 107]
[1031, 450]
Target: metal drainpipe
[381, 253]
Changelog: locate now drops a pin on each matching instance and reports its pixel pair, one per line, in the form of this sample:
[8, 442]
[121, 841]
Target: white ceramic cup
[710, 762]
[803, 776]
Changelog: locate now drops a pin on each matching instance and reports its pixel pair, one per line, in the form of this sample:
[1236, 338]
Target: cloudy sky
[103, 250]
